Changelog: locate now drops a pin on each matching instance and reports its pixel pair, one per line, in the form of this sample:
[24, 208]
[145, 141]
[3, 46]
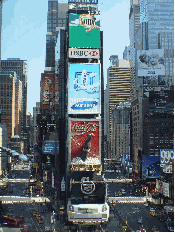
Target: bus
[87, 203]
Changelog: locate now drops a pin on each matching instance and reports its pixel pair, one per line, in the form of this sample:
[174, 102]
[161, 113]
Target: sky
[24, 29]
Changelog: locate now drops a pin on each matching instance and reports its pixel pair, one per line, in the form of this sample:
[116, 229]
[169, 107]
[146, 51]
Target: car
[170, 227]
[161, 219]
[146, 204]
[139, 220]
[153, 212]
[155, 229]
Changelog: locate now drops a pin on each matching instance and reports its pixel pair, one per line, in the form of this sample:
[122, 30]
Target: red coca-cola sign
[84, 142]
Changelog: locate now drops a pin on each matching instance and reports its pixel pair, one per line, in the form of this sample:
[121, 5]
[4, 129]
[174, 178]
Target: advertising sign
[84, 31]
[84, 53]
[166, 189]
[49, 93]
[166, 157]
[83, 1]
[84, 89]
[48, 147]
[151, 167]
[84, 148]
[150, 62]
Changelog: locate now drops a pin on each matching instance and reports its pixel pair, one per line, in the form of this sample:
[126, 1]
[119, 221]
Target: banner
[84, 89]
[84, 31]
[84, 146]
[150, 62]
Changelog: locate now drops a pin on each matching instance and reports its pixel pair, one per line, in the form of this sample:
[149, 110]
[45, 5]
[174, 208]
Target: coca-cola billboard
[84, 142]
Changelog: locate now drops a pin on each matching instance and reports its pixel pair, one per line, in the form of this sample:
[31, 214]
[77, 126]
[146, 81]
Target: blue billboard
[151, 167]
[48, 147]
[84, 88]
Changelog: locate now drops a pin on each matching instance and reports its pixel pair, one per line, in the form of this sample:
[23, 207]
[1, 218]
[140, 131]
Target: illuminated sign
[84, 53]
[151, 167]
[84, 31]
[83, 1]
[166, 157]
[84, 142]
[48, 147]
[151, 62]
[84, 89]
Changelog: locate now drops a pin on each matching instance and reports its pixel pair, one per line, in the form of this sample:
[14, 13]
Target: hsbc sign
[84, 53]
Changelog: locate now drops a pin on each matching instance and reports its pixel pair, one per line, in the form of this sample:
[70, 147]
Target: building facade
[118, 86]
[20, 67]
[7, 92]
[121, 130]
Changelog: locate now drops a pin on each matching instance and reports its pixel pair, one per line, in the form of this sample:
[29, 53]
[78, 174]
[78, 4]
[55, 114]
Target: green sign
[84, 31]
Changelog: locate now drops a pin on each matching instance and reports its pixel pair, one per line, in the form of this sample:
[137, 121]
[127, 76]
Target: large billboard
[150, 62]
[151, 167]
[84, 31]
[84, 144]
[166, 157]
[84, 89]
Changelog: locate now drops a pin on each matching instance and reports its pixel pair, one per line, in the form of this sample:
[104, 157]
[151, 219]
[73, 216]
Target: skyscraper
[157, 20]
[20, 67]
[1, 4]
[134, 23]
[118, 86]
[56, 18]
[7, 93]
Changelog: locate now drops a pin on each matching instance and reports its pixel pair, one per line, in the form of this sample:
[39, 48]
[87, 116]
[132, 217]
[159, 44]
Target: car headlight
[71, 208]
[104, 208]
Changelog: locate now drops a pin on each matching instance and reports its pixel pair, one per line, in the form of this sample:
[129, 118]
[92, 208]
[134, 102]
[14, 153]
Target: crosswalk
[127, 199]
[21, 199]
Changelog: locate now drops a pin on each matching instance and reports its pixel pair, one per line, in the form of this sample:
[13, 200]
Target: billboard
[166, 157]
[150, 62]
[151, 167]
[84, 143]
[84, 53]
[166, 189]
[49, 94]
[84, 31]
[84, 89]
[83, 1]
[48, 147]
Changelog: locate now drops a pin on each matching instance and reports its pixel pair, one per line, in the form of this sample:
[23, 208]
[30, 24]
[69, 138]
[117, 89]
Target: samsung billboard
[84, 31]
[150, 62]
[84, 89]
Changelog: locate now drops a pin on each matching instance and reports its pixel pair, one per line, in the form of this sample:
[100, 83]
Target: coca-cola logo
[87, 127]
[87, 187]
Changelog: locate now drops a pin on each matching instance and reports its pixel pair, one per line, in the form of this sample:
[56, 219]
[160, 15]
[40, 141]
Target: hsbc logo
[93, 53]
[83, 53]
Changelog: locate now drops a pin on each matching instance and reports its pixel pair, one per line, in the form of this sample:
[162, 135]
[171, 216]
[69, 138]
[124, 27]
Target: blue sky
[24, 30]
